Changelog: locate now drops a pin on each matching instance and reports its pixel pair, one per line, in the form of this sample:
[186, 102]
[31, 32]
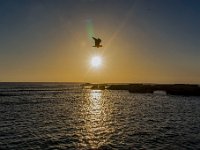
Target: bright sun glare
[96, 61]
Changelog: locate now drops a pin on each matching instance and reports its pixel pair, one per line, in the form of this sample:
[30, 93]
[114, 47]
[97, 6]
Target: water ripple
[95, 119]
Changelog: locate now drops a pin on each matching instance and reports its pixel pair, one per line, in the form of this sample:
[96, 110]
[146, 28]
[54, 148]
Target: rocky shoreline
[171, 89]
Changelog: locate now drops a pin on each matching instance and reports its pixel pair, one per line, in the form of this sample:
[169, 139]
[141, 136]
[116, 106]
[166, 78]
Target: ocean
[66, 116]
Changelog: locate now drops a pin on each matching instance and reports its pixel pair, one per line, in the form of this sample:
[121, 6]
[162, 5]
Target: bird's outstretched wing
[94, 38]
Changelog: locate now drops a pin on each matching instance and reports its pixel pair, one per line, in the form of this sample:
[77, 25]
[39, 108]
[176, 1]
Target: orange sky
[142, 42]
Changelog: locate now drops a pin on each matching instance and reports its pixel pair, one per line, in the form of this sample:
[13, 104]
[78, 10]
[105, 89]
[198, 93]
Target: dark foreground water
[64, 116]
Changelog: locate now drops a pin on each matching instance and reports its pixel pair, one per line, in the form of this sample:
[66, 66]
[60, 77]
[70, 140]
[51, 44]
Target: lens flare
[90, 29]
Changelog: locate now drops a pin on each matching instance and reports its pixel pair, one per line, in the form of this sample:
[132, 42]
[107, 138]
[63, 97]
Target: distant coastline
[171, 89]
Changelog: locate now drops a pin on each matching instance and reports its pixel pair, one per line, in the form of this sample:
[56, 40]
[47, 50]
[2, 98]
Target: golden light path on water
[96, 113]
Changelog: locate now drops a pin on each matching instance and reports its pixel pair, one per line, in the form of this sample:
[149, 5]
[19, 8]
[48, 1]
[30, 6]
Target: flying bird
[97, 42]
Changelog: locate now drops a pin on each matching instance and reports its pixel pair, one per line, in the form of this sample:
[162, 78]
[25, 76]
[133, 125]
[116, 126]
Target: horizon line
[92, 82]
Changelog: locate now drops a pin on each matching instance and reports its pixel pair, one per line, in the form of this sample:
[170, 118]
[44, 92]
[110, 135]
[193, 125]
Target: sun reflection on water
[96, 115]
[96, 103]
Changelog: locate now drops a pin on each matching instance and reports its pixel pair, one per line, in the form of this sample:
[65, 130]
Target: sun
[96, 61]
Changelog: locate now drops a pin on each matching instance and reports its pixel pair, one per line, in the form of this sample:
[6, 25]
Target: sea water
[67, 116]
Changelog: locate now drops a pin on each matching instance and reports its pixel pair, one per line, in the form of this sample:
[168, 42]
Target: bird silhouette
[97, 42]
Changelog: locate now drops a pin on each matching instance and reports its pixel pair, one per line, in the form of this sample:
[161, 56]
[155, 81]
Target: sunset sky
[150, 41]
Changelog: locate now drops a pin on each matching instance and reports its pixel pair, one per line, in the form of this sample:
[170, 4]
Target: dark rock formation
[172, 89]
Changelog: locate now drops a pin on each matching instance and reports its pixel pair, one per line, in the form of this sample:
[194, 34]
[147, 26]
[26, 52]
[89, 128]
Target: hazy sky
[154, 41]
